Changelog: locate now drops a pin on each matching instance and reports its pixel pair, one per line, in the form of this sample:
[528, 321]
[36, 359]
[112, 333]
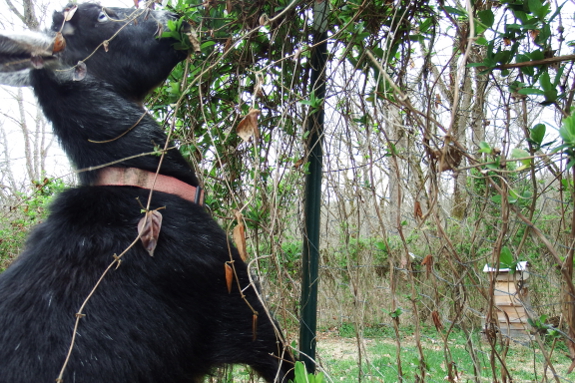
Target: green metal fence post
[310, 254]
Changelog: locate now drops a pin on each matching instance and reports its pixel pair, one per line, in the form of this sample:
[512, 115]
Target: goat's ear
[21, 52]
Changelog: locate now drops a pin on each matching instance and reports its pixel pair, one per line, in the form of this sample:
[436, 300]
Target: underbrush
[22, 215]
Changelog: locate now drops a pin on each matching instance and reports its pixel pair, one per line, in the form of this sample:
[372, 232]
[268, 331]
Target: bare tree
[24, 132]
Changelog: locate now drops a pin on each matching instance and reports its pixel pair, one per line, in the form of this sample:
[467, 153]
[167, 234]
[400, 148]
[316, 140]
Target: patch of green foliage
[17, 222]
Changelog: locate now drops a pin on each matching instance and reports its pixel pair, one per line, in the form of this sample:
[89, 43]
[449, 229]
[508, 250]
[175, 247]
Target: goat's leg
[253, 339]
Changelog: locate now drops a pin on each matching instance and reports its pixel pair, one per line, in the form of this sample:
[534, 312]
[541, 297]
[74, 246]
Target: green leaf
[567, 131]
[485, 148]
[486, 17]
[502, 57]
[514, 26]
[513, 197]
[545, 81]
[481, 41]
[506, 256]
[455, 11]
[424, 27]
[521, 153]
[397, 313]
[300, 373]
[208, 43]
[537, 134]
[381, 245]
[527, 91]
[537, 55]
[521, 16]
[476, 65]
[479, 28]
[543, 12]
[534, 5]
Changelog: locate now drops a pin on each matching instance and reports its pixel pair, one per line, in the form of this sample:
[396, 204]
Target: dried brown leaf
[417, 210]
[299, 163]
[258, 88]
[248, 126]
[229, 277]
[106, 45]
[239, 234]
[437, 100]
[436, 321]
[228, 44]
[149, 230]
[428, 263]
[59, 43]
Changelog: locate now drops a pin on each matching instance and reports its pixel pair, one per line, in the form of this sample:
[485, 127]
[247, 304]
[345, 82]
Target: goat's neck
[96, 126]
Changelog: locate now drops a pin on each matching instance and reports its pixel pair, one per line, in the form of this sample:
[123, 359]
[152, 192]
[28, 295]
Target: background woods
[448, 145]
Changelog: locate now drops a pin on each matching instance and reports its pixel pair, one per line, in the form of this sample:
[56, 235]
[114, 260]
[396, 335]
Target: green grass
[339, 357]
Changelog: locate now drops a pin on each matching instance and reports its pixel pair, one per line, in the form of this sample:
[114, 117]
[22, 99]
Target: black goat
[166, 318]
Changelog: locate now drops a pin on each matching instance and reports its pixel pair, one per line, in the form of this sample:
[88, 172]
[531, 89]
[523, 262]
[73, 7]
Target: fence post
[312, 205]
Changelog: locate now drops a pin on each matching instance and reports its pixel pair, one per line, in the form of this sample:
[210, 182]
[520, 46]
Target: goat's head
[120, 46]
[91, 88]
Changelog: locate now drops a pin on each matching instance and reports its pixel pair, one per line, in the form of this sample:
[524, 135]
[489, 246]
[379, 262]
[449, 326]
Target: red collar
[147, 180]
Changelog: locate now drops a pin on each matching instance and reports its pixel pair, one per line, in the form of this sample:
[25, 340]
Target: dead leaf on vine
[299, 163]
[149, 230]
[436, 321]
[106, 44]
[229, 277]
[428, 263]
[248, 126]
[239, 234]
[228, 44]
[59, 43]
[417, 210]
[264, 19]
[437, 100]
[258, 88]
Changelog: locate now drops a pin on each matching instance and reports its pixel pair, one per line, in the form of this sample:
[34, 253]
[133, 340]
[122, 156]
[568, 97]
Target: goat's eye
[103, 17]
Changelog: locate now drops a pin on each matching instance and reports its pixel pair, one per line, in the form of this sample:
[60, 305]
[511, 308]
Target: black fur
[167, 318]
